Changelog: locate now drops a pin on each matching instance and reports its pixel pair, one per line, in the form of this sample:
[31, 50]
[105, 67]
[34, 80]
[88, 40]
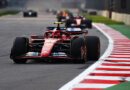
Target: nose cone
[45, 54]
[47, 47]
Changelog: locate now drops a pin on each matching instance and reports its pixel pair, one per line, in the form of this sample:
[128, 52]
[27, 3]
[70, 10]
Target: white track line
[111, 72]
[116, 62]
[106, 78]
[117, 58]
[119, 67]
[92, 85]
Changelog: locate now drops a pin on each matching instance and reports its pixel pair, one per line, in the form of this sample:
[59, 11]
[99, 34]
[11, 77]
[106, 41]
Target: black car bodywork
[30, 13]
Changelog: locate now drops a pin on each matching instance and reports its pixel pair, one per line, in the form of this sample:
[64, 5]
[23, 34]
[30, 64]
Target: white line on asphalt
[106, 78]
[119, 67]
[116, 62]
[110, 40]
[93, 85]
[111, 72]
[117, 58]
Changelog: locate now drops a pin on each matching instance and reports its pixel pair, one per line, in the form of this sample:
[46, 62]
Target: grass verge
[119, 26]
[101, 19]
[8, 12]
[124, 29]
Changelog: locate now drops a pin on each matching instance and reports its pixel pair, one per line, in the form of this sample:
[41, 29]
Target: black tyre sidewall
[76, 47]
[20, 47]
[88, 23]
[93, 47]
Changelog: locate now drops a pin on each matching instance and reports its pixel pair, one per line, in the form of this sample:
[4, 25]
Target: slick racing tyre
[20, 47]
[88, 23]
[68, 23]
[76, 49]
[93, 47]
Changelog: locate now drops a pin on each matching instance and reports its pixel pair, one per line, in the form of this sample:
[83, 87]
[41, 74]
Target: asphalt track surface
[34, 75]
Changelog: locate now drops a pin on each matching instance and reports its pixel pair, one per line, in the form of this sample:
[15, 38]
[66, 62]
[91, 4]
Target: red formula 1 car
[57, 43]
[79, 21]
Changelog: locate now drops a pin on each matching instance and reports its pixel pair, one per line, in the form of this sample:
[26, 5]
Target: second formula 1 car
[56, 44]
[79, 21]
[30, 13]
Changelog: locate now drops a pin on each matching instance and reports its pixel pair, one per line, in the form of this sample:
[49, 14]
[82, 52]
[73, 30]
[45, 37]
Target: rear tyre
[89, 23]
[93, 47]
[68, 23]
[25, 14]
[34, 14]
[20, 47]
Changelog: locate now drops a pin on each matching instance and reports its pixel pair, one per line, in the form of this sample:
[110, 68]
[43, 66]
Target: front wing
[36, 56]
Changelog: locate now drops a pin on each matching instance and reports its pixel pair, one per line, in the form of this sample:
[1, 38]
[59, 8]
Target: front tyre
[77, 49]
[20, 47]
[20, 61]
